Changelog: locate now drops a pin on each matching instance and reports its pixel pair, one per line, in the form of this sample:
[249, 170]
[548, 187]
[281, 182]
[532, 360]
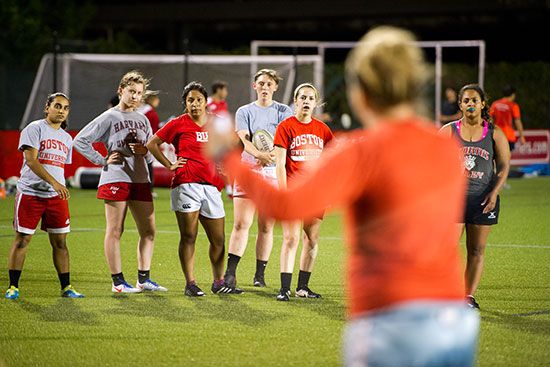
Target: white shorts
[268, 173]
[193, 197]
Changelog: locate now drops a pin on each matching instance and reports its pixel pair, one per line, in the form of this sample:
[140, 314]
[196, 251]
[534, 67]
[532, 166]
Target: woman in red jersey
[196, 185]
[402, 188]
[298, 140]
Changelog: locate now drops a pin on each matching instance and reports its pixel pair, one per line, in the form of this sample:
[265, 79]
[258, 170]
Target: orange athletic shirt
[504, 112]
[403, 190]
[303, 142]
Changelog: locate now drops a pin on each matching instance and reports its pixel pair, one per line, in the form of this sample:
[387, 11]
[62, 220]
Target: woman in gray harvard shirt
[124, 181]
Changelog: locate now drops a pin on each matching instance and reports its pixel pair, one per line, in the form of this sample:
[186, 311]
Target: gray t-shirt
[54, 151]
[252, 118]
[113, 128]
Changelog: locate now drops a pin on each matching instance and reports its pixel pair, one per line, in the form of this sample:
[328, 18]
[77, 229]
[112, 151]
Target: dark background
[515, 32]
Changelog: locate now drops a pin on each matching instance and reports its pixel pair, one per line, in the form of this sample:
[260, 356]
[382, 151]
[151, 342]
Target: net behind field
[92, 80]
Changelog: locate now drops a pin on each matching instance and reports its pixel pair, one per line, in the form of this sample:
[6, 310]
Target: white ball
[345, 120]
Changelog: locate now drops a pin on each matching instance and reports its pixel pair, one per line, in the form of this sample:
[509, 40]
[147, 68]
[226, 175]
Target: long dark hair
[49, 101]
[475, 87]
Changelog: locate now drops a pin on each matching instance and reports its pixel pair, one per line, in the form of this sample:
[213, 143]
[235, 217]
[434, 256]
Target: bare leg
[144, 216]
[264, 241]
[476, 241]
[18, 251]
[244, 210]
[291, 239]
[310, 241]
[60, 252]
[188, 224]
[115, 213]
[215, 231]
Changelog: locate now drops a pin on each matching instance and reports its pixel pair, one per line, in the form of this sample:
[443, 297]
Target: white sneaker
[149, 285]
[124, 288]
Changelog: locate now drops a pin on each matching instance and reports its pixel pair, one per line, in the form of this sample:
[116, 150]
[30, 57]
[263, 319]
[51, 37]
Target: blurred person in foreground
[402, 186]
[486, 164]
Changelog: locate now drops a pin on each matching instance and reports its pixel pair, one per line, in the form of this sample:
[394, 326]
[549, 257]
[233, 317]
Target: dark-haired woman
[484, 147]
[41, 193]
[196, 186]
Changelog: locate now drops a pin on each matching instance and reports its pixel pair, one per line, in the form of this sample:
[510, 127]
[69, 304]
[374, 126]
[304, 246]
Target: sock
[286, 279]
[303, 279]
[260, 268]
[14, 277]
[143, 275]
[118, 279]
[232, 262]
[218, 282]
[64, 279]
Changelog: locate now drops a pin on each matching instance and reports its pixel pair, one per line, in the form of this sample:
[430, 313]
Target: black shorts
[474, 211]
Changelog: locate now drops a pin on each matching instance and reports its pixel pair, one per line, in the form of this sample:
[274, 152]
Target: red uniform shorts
[124, 191]
[29, 209]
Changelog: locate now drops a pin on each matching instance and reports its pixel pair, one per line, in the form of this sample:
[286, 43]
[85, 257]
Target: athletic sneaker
[305, 292]
[124, 288]
[69, 292]
[224, 288]
[149, 285]
[193, 290]
[12, 293]
[259, 281]
[284, 295]
[471, 302]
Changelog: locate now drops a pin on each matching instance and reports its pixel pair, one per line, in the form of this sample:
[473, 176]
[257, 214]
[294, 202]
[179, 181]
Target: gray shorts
[193, 197]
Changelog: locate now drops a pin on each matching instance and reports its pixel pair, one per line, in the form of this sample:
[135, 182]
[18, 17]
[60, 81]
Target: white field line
[329, 238]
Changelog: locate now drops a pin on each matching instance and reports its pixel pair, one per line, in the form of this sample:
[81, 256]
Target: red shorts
[124, 191]
[54, 213]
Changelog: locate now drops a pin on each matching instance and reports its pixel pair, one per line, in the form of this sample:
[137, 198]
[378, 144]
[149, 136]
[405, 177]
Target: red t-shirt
[402, 187]
[188, 140]
[153, 118]
[217, 107]
[303, 142]
[504, 112]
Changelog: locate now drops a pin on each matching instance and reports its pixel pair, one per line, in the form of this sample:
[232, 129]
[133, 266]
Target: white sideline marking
[330, 238]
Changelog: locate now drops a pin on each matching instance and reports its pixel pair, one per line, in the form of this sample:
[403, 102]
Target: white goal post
[437, 45]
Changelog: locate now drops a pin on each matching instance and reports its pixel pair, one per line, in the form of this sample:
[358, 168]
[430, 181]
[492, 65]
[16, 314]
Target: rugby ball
[263, 140]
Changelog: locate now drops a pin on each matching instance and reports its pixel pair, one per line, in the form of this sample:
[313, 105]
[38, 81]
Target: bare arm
[31, 157]
[263, 158]
[154, 147]
[280, 161]
[519, 128]
[502, 160]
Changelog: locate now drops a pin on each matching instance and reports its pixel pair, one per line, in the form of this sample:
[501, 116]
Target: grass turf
[251, 329]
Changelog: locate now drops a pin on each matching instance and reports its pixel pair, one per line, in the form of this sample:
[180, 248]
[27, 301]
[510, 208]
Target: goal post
[438, 46]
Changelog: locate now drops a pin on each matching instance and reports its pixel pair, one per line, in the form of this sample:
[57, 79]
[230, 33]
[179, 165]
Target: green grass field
[42, 329]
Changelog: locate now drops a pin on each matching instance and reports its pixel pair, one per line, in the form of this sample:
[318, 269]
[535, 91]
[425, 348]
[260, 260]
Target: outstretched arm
[338, 178]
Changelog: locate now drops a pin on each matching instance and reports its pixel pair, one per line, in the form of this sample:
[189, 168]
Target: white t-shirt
[54, 151]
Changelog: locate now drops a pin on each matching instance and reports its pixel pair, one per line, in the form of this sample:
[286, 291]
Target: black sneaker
[471, 302]
[284, 295]
[259, 281]
[225, 288]
[305, 292]
[193, 290]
